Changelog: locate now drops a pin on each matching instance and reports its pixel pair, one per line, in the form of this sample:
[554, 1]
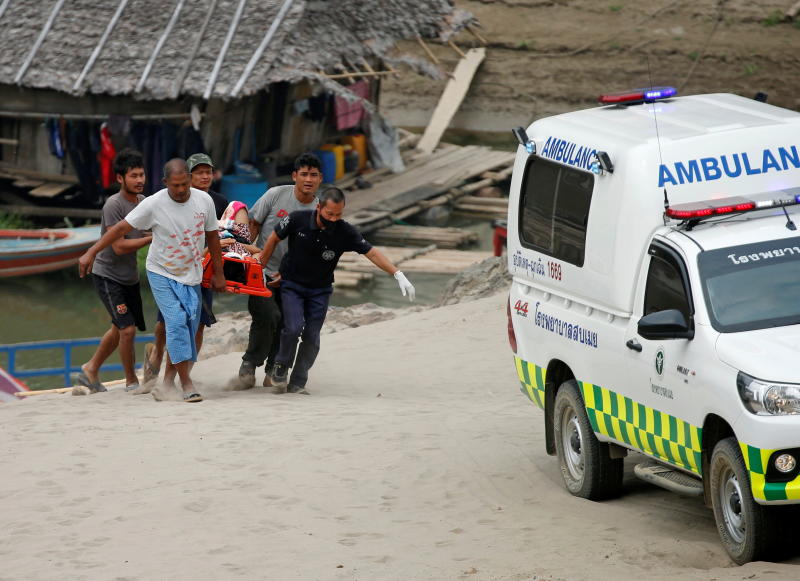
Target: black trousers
[265, 329]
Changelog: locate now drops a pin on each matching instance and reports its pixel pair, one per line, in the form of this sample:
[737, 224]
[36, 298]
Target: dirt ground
[415, 457]
[550, 56]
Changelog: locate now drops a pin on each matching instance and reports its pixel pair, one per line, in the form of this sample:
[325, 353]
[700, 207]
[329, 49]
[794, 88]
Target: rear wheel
[586, 465]
[748, 530]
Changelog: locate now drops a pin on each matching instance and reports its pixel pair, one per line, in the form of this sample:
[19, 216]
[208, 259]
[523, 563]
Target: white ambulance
[655, 303]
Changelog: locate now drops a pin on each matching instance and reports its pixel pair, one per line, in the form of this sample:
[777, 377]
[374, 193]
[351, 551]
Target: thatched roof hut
[98, 57]
[153, 49]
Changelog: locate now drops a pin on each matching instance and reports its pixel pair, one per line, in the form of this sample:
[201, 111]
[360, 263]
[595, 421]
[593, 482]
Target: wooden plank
[408, 198]
[451, 99]
[10, 171]
[49, 190]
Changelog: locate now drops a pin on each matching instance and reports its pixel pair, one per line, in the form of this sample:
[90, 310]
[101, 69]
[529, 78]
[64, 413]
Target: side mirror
[669, 324]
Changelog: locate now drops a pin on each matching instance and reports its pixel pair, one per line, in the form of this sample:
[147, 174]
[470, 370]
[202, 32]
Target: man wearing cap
[201, 170]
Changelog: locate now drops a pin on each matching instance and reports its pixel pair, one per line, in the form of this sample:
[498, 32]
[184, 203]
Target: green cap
[198, 159]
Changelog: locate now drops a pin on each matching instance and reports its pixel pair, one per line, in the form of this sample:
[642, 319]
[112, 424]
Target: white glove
[405, 286]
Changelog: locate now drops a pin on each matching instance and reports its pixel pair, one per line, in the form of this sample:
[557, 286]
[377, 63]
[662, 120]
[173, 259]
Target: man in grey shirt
[276, 204]
[116, 276]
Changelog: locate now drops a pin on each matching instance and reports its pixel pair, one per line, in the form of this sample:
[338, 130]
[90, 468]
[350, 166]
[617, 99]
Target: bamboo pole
[176, 90]
[359, 74]
[427, 50]
[454, 46]
[115, 383]
[98, 49]
[159, 45]
[477, 35]
[39, 40]
[251, 64]
[212, 80]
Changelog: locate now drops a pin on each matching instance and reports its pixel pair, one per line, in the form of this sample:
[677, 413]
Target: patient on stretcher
[243, 273]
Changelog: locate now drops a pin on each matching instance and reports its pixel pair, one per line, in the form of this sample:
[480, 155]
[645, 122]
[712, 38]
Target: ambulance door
[657, 381]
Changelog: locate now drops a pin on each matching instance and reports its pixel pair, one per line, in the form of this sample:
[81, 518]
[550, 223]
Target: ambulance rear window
[554, 209]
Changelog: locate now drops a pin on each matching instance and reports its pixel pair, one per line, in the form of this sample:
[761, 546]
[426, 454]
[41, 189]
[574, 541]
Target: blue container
[328, 161]
[243, 188]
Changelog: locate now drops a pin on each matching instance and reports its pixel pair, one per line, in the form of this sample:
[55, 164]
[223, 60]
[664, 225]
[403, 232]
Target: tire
[748, 530]
[586, 465]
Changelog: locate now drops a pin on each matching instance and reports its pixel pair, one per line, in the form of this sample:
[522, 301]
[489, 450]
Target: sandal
[192, 397]
[149, 371]
[82, 379]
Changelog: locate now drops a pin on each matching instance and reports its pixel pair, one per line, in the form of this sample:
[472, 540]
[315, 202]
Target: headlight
[767, 398]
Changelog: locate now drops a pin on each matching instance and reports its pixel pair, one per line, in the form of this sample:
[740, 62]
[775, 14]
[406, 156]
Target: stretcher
[243, 275]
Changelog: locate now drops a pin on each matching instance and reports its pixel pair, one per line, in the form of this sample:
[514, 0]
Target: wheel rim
[730, 501]
[572, 443]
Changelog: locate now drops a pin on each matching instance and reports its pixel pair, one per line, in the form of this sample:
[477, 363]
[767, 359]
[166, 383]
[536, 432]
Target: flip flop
[132, 387]
[149, 371]
[82, 379]
[192, 397]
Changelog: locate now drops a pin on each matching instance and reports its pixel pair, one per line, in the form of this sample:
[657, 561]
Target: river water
[60, 305]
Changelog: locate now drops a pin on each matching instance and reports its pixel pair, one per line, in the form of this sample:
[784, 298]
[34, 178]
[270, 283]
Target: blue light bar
[638, 96]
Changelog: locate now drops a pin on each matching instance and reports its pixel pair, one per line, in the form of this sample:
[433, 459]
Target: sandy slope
[416, 457]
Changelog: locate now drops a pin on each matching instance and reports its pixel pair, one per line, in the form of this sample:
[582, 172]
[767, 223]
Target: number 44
[521, 307]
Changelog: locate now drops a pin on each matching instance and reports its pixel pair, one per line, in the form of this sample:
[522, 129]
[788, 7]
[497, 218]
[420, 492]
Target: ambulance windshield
[752, 286]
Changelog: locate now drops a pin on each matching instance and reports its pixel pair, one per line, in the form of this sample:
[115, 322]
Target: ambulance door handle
[634, 344]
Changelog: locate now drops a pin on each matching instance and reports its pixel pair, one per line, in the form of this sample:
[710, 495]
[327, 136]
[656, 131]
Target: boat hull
[26, 252]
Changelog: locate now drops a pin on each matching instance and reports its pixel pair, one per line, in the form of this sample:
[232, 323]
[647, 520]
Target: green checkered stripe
[756, 460]
[531, 378]
[656, 433]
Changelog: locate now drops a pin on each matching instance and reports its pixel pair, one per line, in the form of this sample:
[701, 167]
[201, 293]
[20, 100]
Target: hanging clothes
[189, 141]
[350, 113]
[106, 158]
[82, 158]
[54, 141]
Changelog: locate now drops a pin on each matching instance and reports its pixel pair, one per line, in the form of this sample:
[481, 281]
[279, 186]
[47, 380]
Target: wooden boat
[34, 251]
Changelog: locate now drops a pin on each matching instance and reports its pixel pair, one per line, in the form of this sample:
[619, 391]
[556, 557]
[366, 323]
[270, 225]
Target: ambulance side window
[554, 209]
[667, 285]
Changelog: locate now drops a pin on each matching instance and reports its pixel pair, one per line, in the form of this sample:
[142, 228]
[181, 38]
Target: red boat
[33, 251]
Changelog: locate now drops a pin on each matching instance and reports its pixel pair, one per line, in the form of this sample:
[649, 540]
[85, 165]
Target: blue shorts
[207, 317]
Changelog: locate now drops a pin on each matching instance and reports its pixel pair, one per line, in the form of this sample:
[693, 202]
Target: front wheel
[586, 465]
[748, 530]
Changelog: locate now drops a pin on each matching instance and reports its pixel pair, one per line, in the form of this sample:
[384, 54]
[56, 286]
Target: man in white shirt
[178, 217]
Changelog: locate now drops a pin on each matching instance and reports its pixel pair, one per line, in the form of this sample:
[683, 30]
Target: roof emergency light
[647, 95]
[732, 205]
[524, 140]
[602, 163]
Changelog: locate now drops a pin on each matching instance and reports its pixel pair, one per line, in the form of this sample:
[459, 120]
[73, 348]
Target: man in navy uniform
[317, 238]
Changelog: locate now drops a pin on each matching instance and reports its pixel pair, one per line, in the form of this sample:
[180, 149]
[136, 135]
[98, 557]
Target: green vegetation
[615, 8]
[694, 55]
[141, 258]
[524, 45]
[774, 17]
[750, 69]
[14, 222]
